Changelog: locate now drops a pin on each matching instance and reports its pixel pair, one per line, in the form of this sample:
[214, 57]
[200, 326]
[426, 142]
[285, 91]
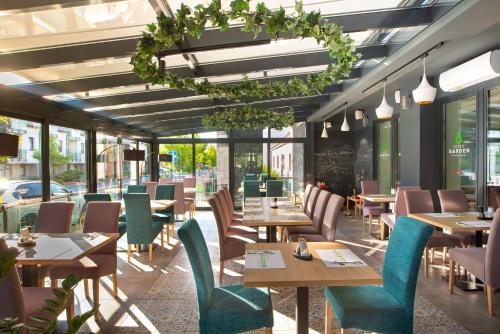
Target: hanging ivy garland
[169, 30]
[248, 117]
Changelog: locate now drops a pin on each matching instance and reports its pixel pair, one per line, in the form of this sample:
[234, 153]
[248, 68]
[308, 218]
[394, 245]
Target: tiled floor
[160, 297]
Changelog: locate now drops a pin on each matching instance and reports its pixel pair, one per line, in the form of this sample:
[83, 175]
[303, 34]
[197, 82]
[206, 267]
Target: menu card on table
[253, 216]
[443, 215]
[474, 223]
[336, 258]
[264, 259]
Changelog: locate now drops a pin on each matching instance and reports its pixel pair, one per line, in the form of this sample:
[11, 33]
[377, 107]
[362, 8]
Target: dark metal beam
[172, 107]
[233, 37]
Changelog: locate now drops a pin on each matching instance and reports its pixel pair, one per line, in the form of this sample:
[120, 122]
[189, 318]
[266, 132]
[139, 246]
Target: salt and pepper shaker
[302, 249]
[274, 204]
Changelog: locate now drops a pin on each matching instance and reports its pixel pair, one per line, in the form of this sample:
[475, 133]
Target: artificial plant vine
[248, 117]
[169, 30]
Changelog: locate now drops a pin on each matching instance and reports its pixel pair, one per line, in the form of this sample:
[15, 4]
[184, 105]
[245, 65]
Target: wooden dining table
[157, 204]
[386, 200]
[55, 249]
[302, 275]
[452, 223]
[258, 213]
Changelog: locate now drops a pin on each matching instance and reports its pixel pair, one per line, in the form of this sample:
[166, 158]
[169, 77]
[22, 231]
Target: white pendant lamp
[384, 110]
[324, 134]
[345, 125]
[425, 93]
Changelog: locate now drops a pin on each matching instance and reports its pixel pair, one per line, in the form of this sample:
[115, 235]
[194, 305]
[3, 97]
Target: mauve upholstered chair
[122, 220]
[481, 262]
[229, 201]
[190, 182]
[231, 222]
[389, 219]
[329, 224]
[101, 217]
[231, 242]
[420, 201]
[228, 309]
[370, 209]
[141, 228]
[25, 302]
[388, 308]
[311, 202]
[455, 200]
[182, 203]
[305, 198]
[291, 233]
[54, 217]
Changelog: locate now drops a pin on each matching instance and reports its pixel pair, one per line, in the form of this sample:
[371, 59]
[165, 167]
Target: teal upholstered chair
[251, 189]
[163, 192]
[228, 309]
[92, 197]
[250, 177]
[141, 228]
[274, 188]
[387, 308]
[136, 189]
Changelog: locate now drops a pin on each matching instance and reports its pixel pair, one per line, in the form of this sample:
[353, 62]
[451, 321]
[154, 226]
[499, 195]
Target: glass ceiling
[126, 19]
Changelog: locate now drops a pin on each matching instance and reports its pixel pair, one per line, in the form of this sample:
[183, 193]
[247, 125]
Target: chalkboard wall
[343, 159]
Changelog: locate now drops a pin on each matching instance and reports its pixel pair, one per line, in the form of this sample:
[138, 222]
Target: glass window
[288, 160]
[129, 168]
[249, 158]
[20, 177]
[460, 145]
[212, 170]
[68, 172]
[493, 151]
[296, 131]
[182, 161]
[108, 165]
[384, 156]
[145, 166]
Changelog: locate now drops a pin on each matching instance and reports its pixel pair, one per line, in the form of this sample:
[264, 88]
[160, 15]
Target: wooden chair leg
[95, 291]
[328, 318]
[137, 248]
[268, 330]
[282, 233]
[150, 252]
[70, 313]
[161, 239]
[53, 283]
[221, 271]
[445, 253]
[426, 262]
[369, 224]
[382, 229]
[115, 285]
[86, 287]
[489, 295]
[432, 255]
[168, 234]
[129, 250]
[345, 331]
[451, 277]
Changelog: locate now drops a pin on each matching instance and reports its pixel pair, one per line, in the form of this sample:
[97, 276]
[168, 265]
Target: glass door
[493, 147]
[384, 156]
[460, 133]
[248, 158]
[212, 170]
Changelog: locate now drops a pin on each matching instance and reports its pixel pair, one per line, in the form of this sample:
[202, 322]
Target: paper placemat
[443, 215]
[295, 216]
[335, 258]
[252, 210]
[252, 200]
[474, 223]
[264, 259]
[252, 205]
[253, 217]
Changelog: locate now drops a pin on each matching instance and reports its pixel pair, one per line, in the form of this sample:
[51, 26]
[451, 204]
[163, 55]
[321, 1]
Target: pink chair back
[219, 218]
[180, 204]
[227, 197]
[307, 193]
[319, 209]
[103, 217]
[311, 202]
[453, 200]
[418, 201]
[12, 305]
[225, 210]
[492, 265]
[400, 203]
[151, 188]
[331, 217]
[370, 187]
[189, 182]
[54, 217]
